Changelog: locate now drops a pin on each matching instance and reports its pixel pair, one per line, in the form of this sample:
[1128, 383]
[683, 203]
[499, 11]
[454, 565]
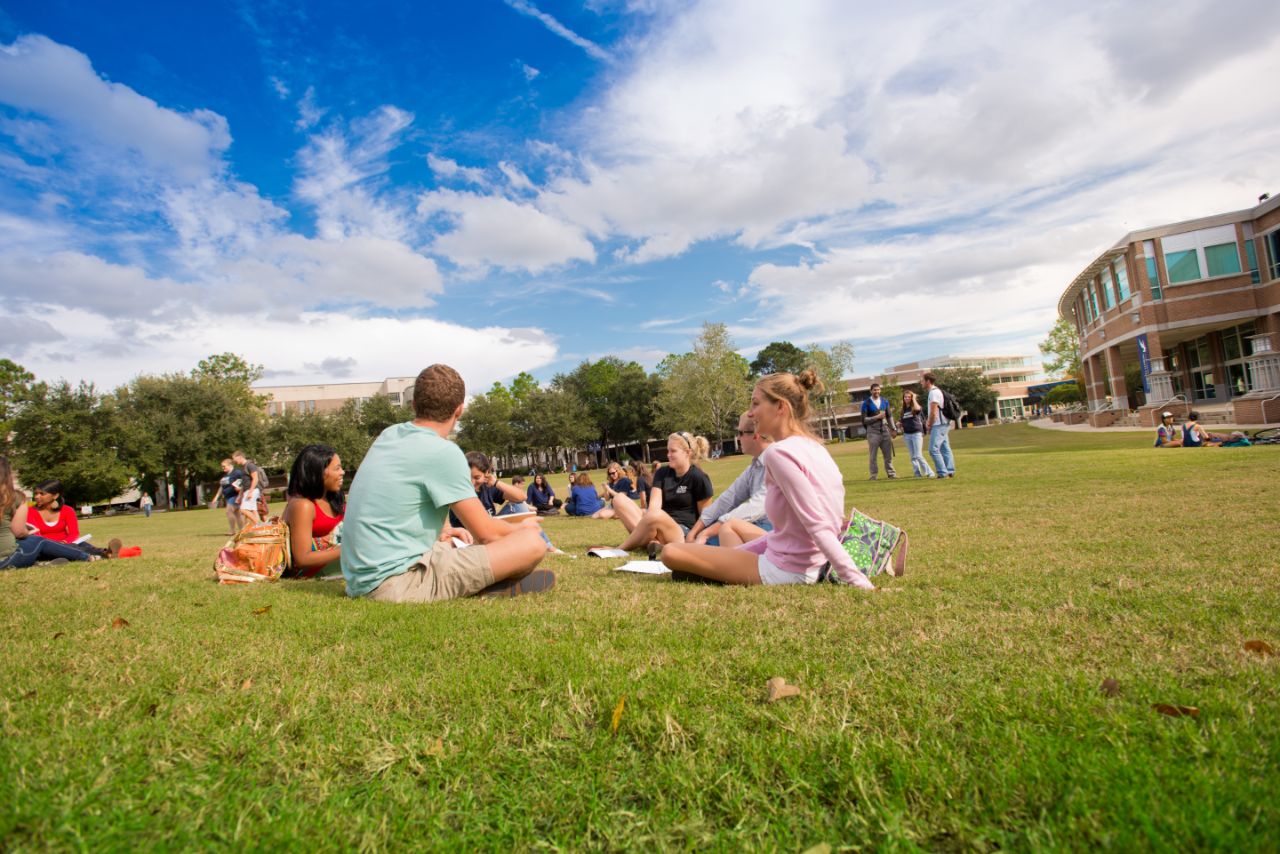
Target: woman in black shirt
[680, 491]
[913, 418]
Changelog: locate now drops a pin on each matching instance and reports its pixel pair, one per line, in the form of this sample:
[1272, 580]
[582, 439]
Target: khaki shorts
[442, 572]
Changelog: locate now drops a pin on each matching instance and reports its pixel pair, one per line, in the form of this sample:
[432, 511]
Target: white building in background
[328, 397]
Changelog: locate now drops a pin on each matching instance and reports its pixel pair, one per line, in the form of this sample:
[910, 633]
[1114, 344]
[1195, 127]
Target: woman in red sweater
[55, 521]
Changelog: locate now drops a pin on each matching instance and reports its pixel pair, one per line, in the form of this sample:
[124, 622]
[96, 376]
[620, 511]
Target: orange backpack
[257, 553]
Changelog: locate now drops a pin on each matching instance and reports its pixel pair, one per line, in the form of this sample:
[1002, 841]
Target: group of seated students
[46, 530]
[421, 522]
[1192, 434]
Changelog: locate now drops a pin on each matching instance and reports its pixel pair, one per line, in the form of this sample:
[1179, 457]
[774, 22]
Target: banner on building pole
[1144, 357]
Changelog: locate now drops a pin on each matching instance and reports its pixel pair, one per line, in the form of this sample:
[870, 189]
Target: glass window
[1122, 279]
[1093, 301]
[1153, 277]
[1222, 260]
[1272, 241]
[1231, 344]
[1183, 266]
[1252, 257]
[1107, 296]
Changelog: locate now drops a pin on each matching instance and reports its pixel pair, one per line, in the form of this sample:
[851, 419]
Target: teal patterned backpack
[876, 547]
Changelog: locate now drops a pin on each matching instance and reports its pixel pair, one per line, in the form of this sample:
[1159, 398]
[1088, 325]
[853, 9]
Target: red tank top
[323, 524]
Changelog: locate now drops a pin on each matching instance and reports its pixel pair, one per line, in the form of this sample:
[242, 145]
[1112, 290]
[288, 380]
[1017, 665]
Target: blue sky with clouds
[343, 193]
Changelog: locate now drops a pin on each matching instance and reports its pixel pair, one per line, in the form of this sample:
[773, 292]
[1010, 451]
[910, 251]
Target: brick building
[1196, 307]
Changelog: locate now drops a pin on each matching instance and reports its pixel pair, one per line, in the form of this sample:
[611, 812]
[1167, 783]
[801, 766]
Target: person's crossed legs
[645, 526]
[728, 566]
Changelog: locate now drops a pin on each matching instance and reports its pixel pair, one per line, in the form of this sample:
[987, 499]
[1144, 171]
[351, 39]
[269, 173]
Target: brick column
[1119, 391]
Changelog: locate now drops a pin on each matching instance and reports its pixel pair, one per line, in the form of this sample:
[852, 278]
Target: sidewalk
[1046, 424]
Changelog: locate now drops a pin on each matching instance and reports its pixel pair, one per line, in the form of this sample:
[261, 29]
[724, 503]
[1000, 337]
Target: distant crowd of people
[915, 422]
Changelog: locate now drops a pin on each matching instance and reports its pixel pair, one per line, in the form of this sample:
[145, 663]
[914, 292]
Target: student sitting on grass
[1167, 434]
[737, 515]
[642, 483]
[680, 492]
[18, 547]
[542, 497]
[584, 500]
[1195, 436]
[314, 509]
[396, 542]
[54, 520]
[805, 502]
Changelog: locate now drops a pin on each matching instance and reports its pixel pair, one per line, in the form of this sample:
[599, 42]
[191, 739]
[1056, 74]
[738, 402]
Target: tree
[486, 423]
[377, 414]
[15, 386]
[183, 426]
[832, 365]
[779, 357]
[705, 391]
[618, 395]
[892, 392]
[1062, 351]
[556, 421]
[970, 387]
[1065, 393]
[228, 367]
[344, 430]
[72, 435]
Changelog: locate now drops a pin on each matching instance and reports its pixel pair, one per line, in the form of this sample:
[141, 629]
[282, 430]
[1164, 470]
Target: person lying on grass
[737, 515]
[397, 545]
[315, 508]
[804, 500]
[19, 547]
[680, 492]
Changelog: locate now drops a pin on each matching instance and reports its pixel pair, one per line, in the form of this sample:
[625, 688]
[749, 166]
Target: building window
[1201, 364]
[1197, 254]
[1107, 297]
[1236, 348]
[1122, 279]
[1251, 256]
[1093, 302]
[1272, 242]
[1153, 275]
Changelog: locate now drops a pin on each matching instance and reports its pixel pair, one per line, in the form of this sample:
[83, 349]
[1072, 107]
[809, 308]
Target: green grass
[956, 708]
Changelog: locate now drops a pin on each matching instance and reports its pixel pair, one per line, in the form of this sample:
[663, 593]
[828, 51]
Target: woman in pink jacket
[804, 501]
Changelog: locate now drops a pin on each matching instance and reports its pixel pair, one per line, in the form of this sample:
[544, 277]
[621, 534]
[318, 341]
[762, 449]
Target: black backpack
[950, 407]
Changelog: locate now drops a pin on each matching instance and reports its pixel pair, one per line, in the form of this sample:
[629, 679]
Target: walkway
[1046, 424]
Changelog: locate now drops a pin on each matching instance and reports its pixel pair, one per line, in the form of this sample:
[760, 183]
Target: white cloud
[309, 111]
[526, 8]
[449, 170]
[529, 71]
[109, 119]
[494, 231]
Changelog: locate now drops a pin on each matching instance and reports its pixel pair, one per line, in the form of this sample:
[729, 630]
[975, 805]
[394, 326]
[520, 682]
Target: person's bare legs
[735, 532]
[627, 512]
[653, 525]
[604, 513]
[233, 519]
[729, 566]
[516, 555]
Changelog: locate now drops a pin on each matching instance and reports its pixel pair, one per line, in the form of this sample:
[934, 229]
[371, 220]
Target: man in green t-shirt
[397, 544]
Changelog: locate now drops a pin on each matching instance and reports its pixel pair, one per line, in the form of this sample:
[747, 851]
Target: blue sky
[349, 195]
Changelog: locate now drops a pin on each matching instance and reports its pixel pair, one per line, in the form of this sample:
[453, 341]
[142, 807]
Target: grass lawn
[958, 707]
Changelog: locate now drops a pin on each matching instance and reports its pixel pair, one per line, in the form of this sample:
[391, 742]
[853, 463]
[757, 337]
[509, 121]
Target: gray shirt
[744, 499]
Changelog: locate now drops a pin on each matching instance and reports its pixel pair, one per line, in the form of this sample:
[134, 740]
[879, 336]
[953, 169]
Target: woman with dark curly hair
[315, 509]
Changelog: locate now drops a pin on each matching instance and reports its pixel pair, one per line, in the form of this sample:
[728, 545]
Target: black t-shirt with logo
[681, 495]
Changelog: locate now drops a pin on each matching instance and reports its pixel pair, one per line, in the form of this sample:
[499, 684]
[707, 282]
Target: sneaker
[538, 581]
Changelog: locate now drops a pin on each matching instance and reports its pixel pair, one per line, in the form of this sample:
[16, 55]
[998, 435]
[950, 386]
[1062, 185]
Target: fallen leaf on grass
[119, 623]
[93, 577]
[1110, 688]
[246, 684]
[151, 709]
[820, 848]
[1176, 711]
[617, 714]
[30, 695]
[436, 747]
[779, 689]
[1260, 647]
[260, 611]
[57, 635]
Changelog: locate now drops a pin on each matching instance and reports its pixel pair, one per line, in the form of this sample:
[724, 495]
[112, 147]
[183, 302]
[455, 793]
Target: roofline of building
[1119, 247]
[306, 385]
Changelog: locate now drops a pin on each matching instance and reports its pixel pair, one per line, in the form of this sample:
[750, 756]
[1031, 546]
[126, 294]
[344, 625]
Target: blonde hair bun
[808, 380]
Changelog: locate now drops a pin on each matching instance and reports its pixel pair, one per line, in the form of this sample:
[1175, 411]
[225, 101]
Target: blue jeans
[940, 449]
[514, 507]
[32, 548]
[919, 465]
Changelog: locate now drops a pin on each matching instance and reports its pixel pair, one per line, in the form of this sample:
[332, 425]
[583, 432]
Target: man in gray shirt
[737, 515]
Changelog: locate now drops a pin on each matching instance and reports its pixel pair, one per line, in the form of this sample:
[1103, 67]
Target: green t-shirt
[398, 502]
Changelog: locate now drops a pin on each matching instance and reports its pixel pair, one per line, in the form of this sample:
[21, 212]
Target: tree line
[176, 428]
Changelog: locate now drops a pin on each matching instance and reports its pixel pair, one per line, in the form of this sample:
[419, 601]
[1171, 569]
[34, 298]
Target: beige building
[328, 397]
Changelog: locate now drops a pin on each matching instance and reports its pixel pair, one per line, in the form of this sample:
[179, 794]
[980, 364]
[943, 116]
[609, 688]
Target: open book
[646, 567]
[606, 551]
[83, 538]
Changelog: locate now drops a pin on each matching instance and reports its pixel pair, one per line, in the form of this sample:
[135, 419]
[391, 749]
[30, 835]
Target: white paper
[84, 538]
[646, 567]
[459, 543]
[605, 551]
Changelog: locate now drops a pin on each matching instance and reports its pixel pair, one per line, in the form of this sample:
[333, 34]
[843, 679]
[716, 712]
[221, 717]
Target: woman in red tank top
[314, 510]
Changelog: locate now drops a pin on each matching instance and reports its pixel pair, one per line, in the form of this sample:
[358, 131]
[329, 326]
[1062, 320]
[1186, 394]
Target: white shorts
[249, 498]
[770, 574]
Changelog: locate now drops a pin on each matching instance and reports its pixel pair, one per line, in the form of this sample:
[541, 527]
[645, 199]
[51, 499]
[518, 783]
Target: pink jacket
[805, 503]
